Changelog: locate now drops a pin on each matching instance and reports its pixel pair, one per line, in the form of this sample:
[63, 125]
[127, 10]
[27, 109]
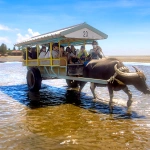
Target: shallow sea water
[60, 119]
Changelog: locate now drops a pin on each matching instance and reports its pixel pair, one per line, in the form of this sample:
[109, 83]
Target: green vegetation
[4, 51]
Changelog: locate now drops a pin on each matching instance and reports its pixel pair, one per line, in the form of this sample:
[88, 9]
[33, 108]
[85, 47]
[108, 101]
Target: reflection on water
[60, 118]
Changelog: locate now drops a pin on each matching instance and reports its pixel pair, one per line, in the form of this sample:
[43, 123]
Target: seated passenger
[34, 53]
[72, 58]
[87, 59]
[55, 51]
[62, 52]
[82, 54]
[73, 50]
[29, 53]
[67, 53]
[47, 54]
[42, 52]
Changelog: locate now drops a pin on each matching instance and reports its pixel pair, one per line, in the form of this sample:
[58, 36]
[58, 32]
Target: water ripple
[58, 118]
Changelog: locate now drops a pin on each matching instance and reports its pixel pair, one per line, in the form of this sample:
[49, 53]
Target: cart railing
[54, 62]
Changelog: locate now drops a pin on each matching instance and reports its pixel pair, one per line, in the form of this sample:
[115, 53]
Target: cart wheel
[34, 79]
[72, 83]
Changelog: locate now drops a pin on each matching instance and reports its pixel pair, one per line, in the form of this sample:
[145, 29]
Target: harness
[113, 78]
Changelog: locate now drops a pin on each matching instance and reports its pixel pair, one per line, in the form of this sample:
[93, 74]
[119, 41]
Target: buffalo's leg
[82, 84]
[129, 102]
[111, 94]
[92, 87]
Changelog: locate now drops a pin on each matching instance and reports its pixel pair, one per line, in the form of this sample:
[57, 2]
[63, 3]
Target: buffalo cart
[49, 68]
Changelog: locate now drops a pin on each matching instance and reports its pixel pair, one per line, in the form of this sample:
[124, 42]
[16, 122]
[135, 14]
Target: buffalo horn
[125, 74]
[136, 69]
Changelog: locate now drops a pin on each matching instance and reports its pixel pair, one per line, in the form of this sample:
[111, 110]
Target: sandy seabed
[144, 59]
[11, 58]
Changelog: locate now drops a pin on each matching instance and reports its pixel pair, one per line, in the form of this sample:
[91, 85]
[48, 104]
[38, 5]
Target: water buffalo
[118, 75]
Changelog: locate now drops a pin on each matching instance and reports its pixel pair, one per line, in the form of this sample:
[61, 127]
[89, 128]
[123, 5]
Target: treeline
[4, 50]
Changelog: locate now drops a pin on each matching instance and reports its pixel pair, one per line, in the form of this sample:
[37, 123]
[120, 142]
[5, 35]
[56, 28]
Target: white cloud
[30, 33]
[2, 27]
[21, 37]
[5, 40]
[5, 28]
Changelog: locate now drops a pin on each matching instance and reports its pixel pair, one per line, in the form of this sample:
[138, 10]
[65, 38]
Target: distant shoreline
[144, 59]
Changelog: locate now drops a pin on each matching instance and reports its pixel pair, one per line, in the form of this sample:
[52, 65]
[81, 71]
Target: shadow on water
[53, 96]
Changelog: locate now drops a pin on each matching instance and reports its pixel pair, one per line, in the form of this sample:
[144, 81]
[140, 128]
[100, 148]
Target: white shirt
[42, 55]
[48, 54]
[93, 54]
[55, 54]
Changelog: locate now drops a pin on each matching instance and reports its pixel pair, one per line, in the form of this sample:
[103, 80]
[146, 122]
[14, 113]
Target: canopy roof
[76, 35]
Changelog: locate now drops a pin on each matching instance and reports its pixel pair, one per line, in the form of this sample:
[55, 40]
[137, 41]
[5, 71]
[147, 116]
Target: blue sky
[126, 22]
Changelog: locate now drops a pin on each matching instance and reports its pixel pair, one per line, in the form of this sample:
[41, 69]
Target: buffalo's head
[137, 79]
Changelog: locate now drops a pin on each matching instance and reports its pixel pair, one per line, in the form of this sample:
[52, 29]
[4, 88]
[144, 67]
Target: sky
[126, 22]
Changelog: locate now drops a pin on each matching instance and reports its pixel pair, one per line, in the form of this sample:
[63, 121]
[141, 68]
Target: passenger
[72, 58]
[68, 50]
[96, 51]
[55, 50]
[55, 53]
[87, 59]
[82, 54]
[74, 51]
[62, 52]
[77, 52]
[47, 54]
[34, 53]
[29, 53]
[42, 52]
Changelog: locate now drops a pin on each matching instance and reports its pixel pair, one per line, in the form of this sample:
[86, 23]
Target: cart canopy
[76, 35]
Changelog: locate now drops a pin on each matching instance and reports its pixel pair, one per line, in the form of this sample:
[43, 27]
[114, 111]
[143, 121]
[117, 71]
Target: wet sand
[10, 59]
[144, 59]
